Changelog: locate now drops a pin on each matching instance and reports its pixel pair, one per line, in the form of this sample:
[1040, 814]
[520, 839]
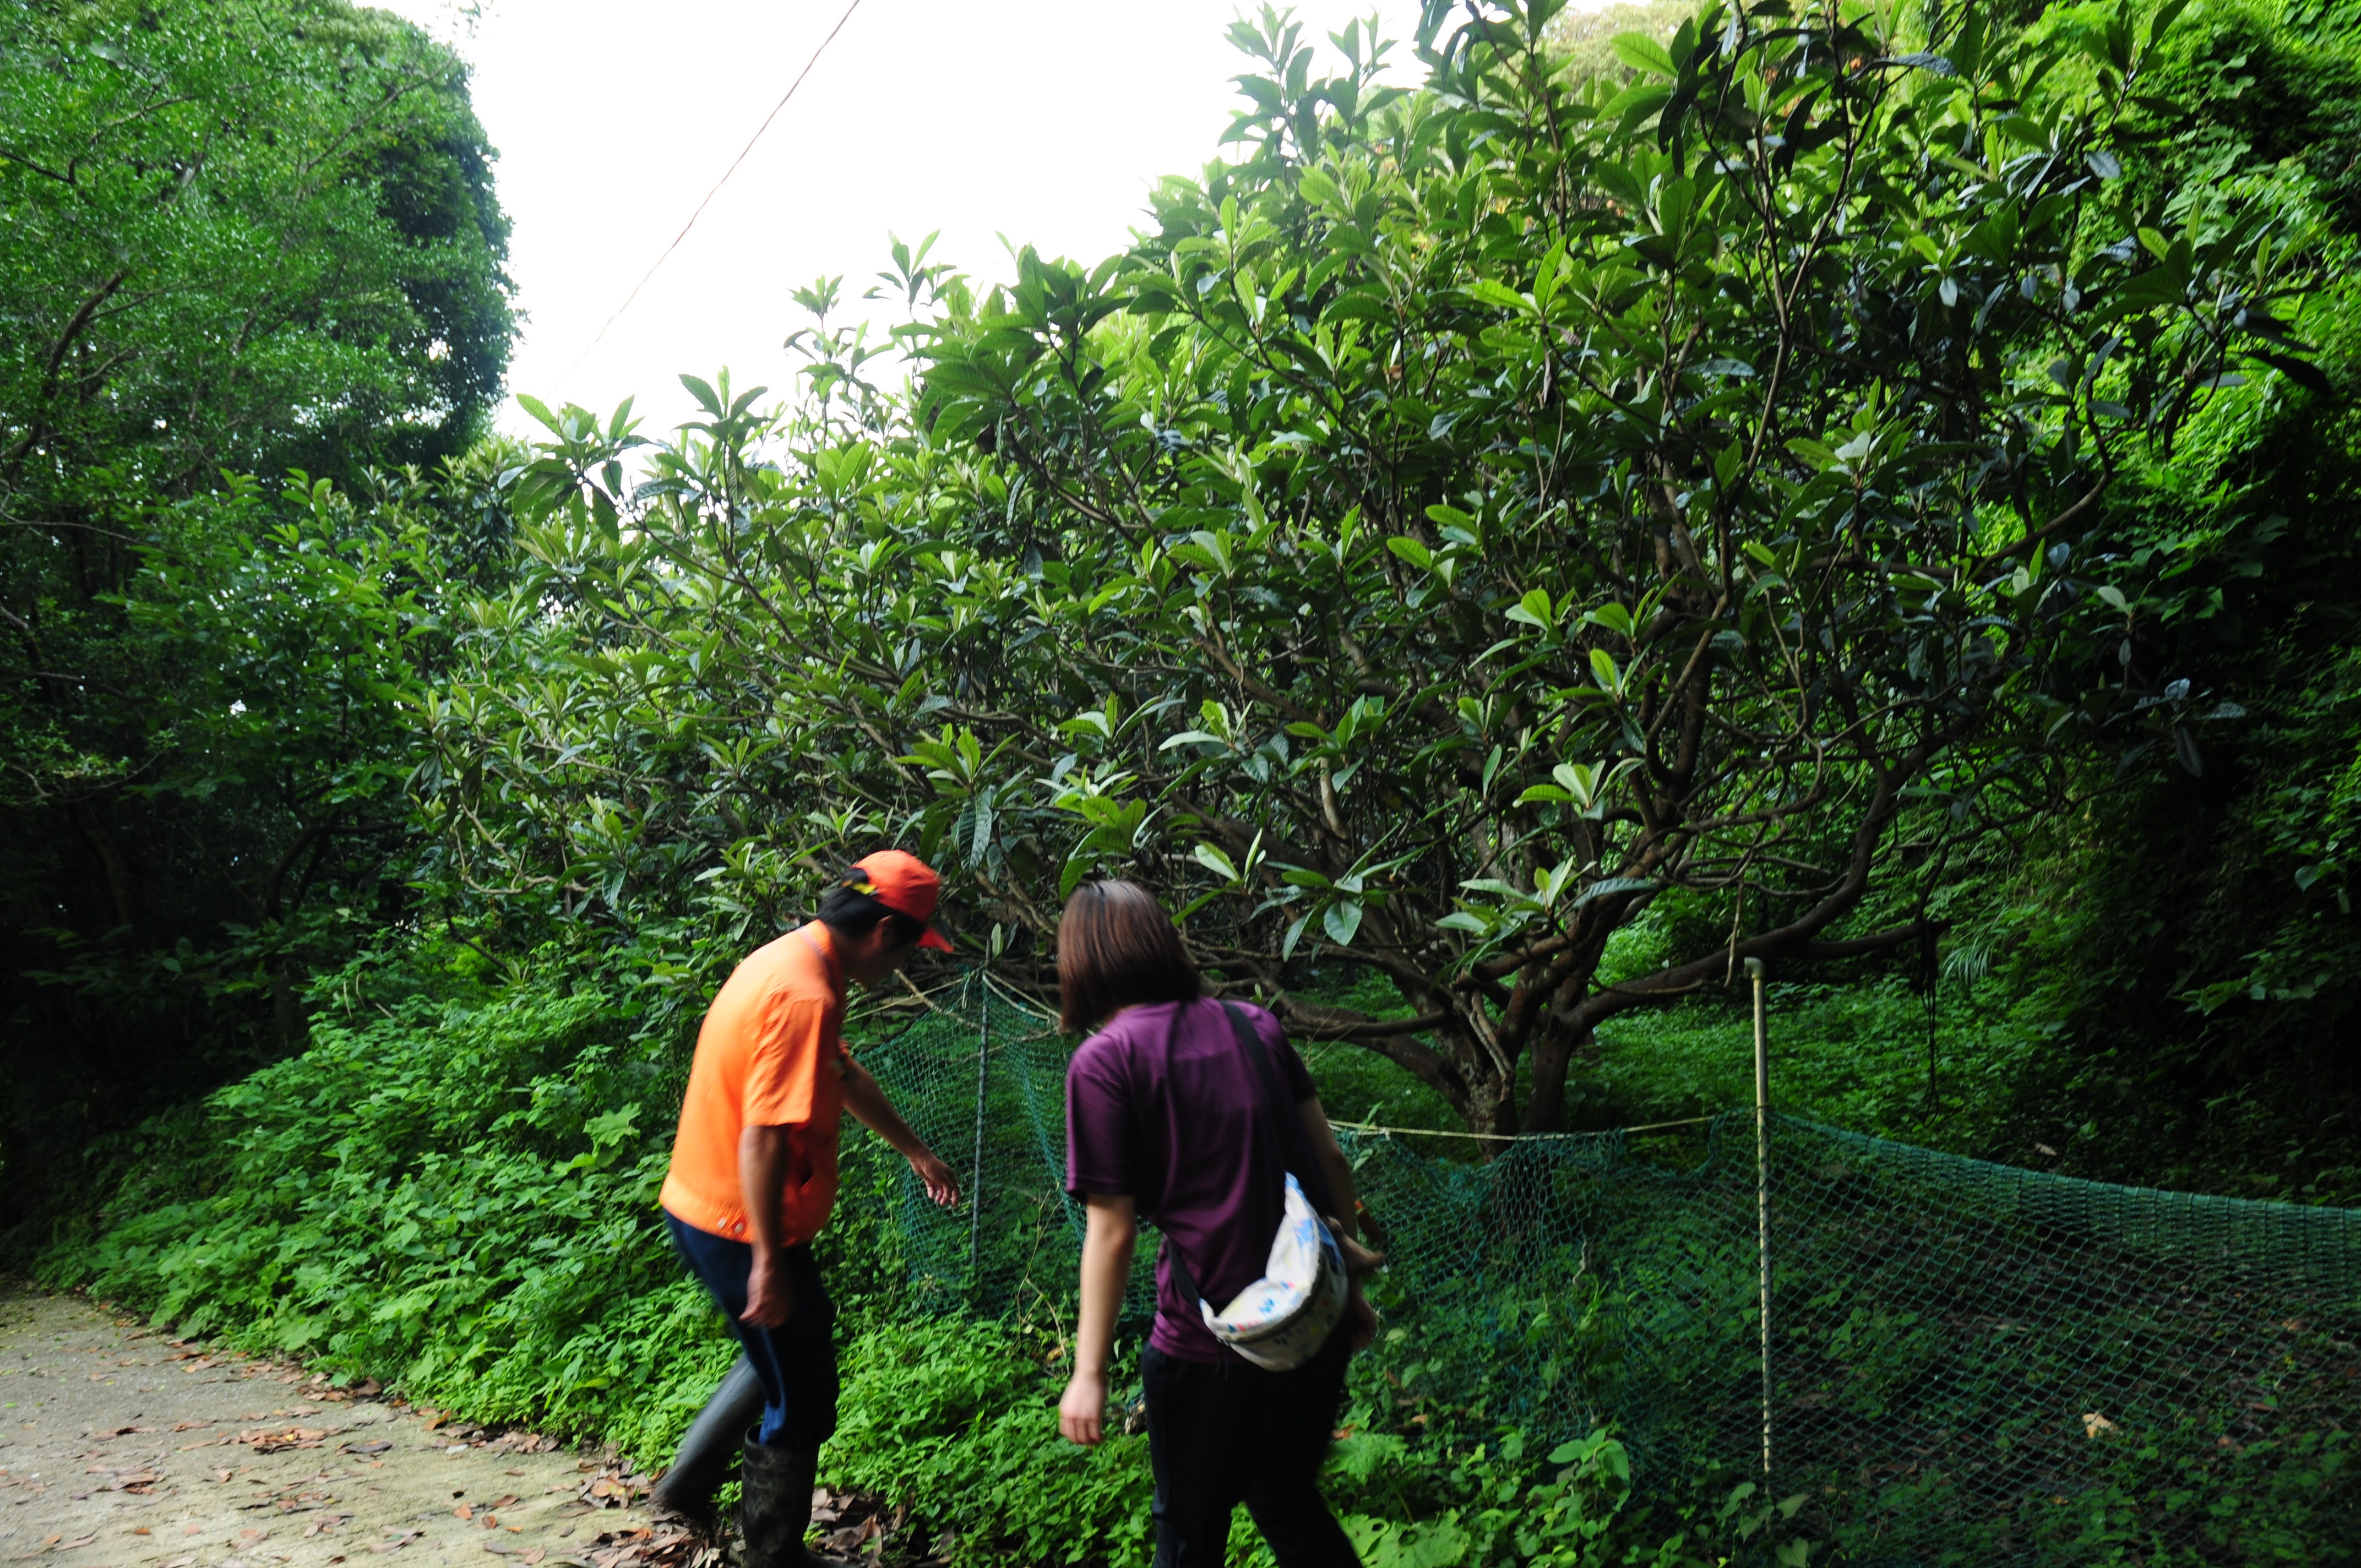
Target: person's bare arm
[1334, 1166]
[866, 1100]
[1108, 1238]
[761, 1184]
[1338, 1171]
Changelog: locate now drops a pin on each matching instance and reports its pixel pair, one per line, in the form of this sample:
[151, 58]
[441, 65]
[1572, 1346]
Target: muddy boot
[698, 1470]
[777, 1512]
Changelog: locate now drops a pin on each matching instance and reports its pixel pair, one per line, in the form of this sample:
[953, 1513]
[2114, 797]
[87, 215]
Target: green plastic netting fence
[1969, 1364]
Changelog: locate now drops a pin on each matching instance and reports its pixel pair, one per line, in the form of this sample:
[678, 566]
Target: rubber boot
[702, 1463]
[777, 1512]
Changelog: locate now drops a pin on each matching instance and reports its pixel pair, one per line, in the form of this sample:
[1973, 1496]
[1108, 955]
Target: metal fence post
[1762, 1199]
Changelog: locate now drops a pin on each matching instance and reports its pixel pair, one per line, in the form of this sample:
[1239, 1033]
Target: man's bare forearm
[763, 1161]
[762, 1184]
[870, 1107]
[866, 1100]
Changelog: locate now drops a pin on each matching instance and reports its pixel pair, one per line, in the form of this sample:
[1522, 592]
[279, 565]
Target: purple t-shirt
[1164, 1106]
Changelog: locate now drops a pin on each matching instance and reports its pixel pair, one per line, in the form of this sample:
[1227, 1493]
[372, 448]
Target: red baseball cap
[904, 884]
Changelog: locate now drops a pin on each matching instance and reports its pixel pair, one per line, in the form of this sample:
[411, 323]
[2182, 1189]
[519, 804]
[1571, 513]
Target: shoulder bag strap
[1290, 1132]
[1287, 1130]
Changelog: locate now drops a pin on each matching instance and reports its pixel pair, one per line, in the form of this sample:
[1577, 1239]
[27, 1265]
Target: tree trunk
[117, 870]
[1554, 1052]
[288, 1023]
[1490, 1102]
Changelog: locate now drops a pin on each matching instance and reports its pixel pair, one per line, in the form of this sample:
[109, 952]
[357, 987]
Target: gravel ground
[122, 1447]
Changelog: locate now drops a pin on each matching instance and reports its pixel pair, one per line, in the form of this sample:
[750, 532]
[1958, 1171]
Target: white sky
[1044, 120]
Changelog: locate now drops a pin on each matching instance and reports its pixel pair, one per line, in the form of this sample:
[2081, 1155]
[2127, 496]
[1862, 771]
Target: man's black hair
[853, 915]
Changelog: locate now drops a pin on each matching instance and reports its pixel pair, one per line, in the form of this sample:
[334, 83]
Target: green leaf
[1613, 616]
[1412, 550]
[1294, 935]
[540, 410]
[2302, 372]
[1498, 295]
[1604, 670]
[1214, 860]
[1643, 53]
[1609, 887]
[1534, 610]
[1342, 921]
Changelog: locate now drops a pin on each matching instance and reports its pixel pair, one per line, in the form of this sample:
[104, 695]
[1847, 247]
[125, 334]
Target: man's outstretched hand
[942, 1185]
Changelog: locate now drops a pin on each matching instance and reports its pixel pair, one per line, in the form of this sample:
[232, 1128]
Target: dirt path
[121, 1448]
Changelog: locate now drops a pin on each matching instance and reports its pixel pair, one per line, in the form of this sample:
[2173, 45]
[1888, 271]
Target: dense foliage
[2189, 938]
[252, 236]
[1470, 518]
[239, 239]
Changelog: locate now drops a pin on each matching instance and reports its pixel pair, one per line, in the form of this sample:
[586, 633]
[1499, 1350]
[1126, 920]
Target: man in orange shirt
[753, 1166]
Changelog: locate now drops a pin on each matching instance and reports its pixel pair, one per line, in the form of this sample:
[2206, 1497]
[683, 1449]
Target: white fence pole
[1762, 1199]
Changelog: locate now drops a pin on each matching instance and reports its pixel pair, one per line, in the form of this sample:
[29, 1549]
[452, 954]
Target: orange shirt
[769, 1054]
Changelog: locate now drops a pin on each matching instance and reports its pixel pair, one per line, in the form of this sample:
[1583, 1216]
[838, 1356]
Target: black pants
[1226, 1432]
[795, 1361]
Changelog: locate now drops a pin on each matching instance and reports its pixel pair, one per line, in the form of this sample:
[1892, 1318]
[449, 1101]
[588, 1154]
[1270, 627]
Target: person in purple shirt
[1167, 1120]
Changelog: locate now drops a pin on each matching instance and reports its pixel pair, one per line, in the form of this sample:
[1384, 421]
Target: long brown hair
[1116, 947]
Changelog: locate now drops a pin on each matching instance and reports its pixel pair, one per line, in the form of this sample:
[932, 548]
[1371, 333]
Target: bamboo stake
[1763, 1198]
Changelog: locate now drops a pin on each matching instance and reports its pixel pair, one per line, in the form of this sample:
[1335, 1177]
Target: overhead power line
[708, 202]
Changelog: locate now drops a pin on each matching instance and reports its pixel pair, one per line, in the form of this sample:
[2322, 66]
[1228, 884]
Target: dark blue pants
[795, 1361]
[1226, 1432]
